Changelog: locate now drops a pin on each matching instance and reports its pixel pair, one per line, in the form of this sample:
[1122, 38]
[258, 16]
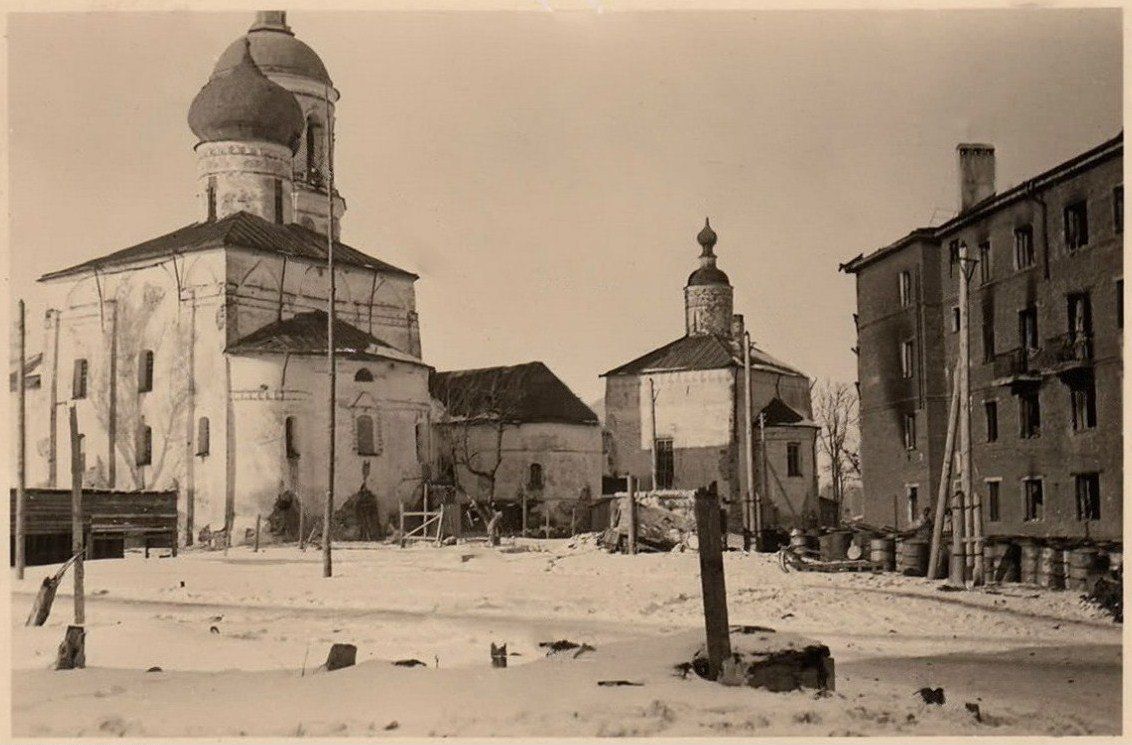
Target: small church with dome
[675, 418]
[197, 360]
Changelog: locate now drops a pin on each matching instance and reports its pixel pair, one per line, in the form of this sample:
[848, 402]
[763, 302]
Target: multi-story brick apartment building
[1045, 330]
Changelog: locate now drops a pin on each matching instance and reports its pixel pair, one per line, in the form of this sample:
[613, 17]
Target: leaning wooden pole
[934, 564]
[77, 547]
[328, 513]
[21, 447]
[631, 514]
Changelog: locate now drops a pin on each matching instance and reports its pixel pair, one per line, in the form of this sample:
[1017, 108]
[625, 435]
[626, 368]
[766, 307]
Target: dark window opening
[988, 337]
[985, 262]
[1032, 494]
[913, 499]
[290, 442]
[1118, 209]
[665, 463]
[1088, 488]
[1023, 247]
[145, 371]
[909, 431]
[78, 380]
[1083, 400]
[993, 501]
[363, 426]
[1029, 415]
[1076, 225]
[202, 436]
[144, 445]
[279, 201]
[907, 358]
[363, 376]
[1028, 328]
[314, 143]
[905, 289]
[793, 459]
[955, 319]
[211, 196]
[1080, 316]
[990, 408]
[534, 477]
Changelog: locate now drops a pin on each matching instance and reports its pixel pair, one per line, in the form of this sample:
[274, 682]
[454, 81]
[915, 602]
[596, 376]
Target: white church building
[197, 360]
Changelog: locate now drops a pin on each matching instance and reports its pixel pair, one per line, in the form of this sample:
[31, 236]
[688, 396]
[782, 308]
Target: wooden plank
[712, 581]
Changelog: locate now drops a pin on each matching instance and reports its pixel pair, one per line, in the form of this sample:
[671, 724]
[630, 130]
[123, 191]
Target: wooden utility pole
[77, 542]
[652, 420]
[749, 452]
[631, 513]
[21, 447]
[973, 543]
[53, 415]
[934, 564]
[331, 360]
[765, 480]
[712, 581]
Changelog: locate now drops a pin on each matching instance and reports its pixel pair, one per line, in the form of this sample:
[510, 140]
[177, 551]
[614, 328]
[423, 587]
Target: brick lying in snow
[764, 658]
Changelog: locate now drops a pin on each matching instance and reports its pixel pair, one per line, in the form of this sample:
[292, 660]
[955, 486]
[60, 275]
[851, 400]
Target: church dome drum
[241, 103]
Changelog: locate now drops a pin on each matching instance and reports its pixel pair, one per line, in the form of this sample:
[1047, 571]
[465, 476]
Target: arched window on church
[289, 435]
[364, 428]
[211, 198]
[534, 481]
[314, 149]
[363, 376]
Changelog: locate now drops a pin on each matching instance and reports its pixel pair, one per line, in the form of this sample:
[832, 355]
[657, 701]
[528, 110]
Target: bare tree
[477, 413]
[837, 412]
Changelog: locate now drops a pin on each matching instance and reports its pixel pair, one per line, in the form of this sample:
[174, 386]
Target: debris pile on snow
[764, 658]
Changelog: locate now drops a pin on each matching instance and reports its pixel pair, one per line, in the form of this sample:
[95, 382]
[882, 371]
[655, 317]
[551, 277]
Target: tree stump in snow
[72, 651]
[341, 655]
[762, 658]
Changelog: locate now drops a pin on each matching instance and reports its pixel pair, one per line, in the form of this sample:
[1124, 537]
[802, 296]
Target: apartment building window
[1029, 415]
[1023, 247]
[994, 508]
[1088, 488]
[1118, 209]
[988, 334]
[290, 435]
[1028, 328]
[907, 358]
[363, 428]
[905, 289]
[78, 379]
[955, 319]
[990, 411]
[909, 431]
[143, 446]
[145, 371]
[665, 463]
[1033, 499]
[793, 459]
[1076, 225]
[913, 502]
[202, 436]
[984, 262]
[1083, 402]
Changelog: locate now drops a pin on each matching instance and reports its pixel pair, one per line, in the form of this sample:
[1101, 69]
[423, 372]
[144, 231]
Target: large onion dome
[275, 49]
[243, 104]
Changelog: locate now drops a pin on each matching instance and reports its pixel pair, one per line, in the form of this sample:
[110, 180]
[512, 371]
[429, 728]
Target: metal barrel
[1083, 563]
[882, 554]
[1051, 568]
[912, 557]
[834, 546]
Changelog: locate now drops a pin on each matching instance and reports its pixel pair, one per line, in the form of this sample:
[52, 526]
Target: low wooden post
[631, 513]
[712, 581]
[524, 497]
[257, 518]
[401, 524]
[545, 518]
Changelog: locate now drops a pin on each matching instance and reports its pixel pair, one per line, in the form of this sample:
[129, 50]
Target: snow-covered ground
[238, 639]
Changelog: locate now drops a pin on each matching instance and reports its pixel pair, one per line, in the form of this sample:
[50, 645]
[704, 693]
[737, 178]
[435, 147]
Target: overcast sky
[546, 173]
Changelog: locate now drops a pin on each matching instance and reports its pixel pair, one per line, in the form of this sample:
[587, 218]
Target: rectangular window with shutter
[994, 507]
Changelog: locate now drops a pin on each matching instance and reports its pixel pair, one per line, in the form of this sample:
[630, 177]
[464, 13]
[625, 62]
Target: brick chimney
[976, 174]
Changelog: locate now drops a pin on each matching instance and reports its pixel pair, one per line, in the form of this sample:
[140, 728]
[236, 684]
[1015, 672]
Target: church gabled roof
[238, 230]
[779, 413]
[700, 352]
[305, 333]
[526, 393]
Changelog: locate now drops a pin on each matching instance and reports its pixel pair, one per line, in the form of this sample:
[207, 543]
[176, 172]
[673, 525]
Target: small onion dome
[708, 273]
[243, 104]
[275, 49]
[707, 237]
